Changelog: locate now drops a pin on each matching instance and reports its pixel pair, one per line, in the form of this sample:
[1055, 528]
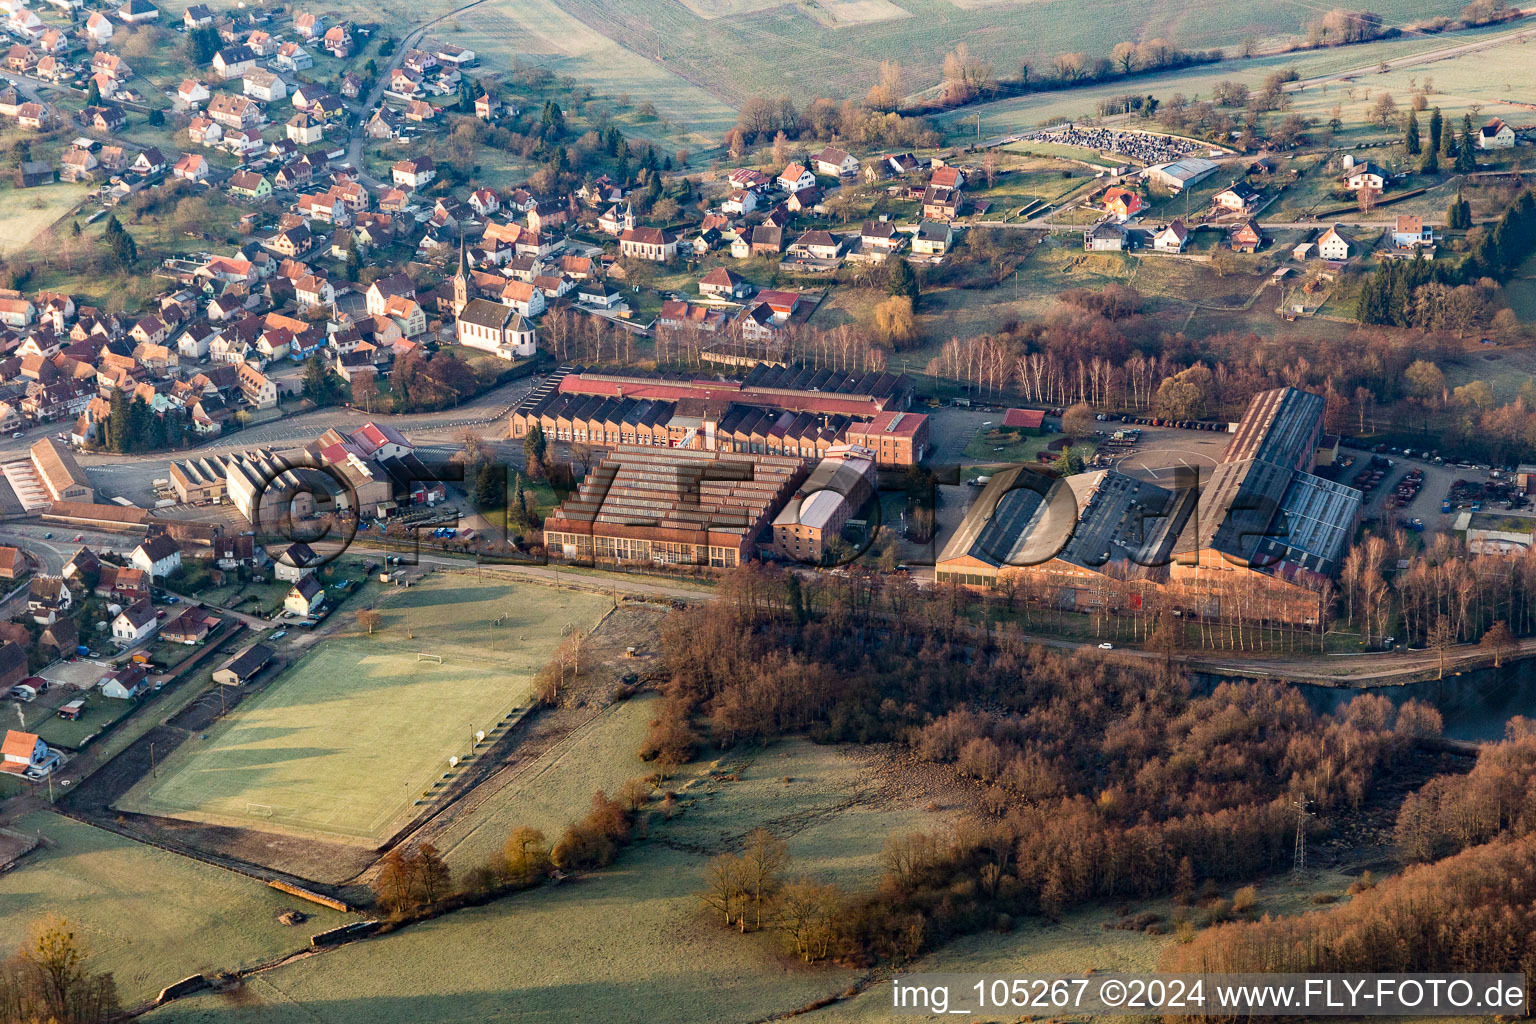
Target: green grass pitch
[349, 738]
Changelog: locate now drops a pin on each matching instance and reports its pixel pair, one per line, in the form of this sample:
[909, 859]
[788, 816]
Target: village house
[148, 161]
[203, 130]
[264, 86]
[305, 597]
[933, 238]
[293, 57]
[128, 682]
[135, 623]
[191, 93]
[1366, 175]
[724, 283]
[193, 167]
[1410, 231]
[941, 203]
[296, 561]
[106, 118]
[834, 162]
[1495, 135]
[1106, 236]
[24, 753]
[821, 245]
[1172, 238]
[98, 28]
[615, 221]
[259, 391]
[1121, 203]
[1335, 246]
[1245, 236]
[413, 173]
[48, 598]
[1238, 197]
[192, 626]
[796, 177]
[233, 61]
[158, 556]
[249, 185]
[233, 111]
[137, 12]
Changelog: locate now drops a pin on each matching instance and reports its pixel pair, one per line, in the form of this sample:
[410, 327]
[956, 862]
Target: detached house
[796, 177]
[233, 61]
[1238, 197]
[1172, 238]
[414, 173]
[135, 623]
[159, 556]
[1335, 246]
[305, 597]
[192, 167]
[1411, 231]
[264, 86]
[293, 57]
[235, 111]
[98, 28]
[1366, 176]
[1495, 135]
[724, 283]
[933, 238]
[1246, 236]
[834, 162]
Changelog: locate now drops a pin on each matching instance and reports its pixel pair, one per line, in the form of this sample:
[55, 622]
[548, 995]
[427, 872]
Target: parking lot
[1426, 505]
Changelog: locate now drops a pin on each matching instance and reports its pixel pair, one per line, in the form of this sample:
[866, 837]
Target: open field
[1022, 112]
[540, 32]
[793, 48]
[625, 944]
[25, 213]
[148, 916]
[348, 741]
[558, 790]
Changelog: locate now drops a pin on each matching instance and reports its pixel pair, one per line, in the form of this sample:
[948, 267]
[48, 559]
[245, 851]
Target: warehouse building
[60, 474]
[1266, 524]
[674, 507]
[1258, 538]
[1069, 538]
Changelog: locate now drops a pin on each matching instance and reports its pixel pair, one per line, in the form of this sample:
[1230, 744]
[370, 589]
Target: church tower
[629, 217]
[461, 283]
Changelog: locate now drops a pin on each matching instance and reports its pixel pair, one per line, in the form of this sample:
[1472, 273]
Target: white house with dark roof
[305, 597]
[159, 556]
[297, 561]
[135, 623]
[1495, 135]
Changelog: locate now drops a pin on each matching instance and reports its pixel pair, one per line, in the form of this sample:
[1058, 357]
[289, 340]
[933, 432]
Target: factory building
[1259, 536]
[673, 507]
[773, 410]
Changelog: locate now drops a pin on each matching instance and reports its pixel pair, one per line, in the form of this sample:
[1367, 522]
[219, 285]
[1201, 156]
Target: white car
[1106, 647]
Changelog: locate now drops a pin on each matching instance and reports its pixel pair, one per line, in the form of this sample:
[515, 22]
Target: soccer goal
[436, 659]
[259, 810]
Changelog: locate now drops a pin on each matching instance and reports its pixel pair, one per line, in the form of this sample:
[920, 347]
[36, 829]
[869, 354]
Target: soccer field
[351, 737]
